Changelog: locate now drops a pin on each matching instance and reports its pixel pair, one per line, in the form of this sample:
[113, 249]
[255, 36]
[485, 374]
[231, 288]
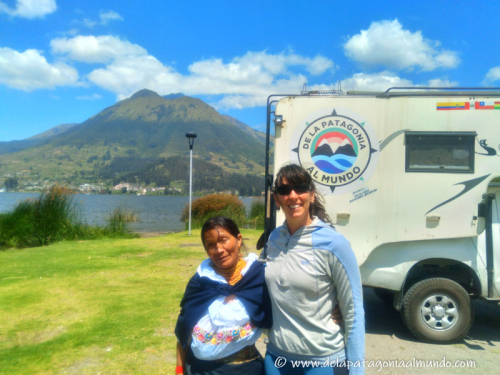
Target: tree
[11, 183]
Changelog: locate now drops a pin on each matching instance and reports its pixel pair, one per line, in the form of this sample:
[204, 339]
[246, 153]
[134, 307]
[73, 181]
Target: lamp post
[190, 136]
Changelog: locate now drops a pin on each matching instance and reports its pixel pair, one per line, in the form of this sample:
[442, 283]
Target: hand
[337, 315]
[179, 369]
[230, 298]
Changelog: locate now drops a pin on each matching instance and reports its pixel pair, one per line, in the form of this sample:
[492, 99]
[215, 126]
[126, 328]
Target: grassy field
[91, 307]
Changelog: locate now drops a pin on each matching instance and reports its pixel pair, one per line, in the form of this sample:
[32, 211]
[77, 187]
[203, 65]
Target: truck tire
[385, 295]
[437, 310]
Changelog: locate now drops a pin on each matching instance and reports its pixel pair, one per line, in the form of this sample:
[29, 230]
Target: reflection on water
[155, 213]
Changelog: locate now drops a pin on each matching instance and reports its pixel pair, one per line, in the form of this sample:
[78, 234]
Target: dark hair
[221, 222]
[294, 175]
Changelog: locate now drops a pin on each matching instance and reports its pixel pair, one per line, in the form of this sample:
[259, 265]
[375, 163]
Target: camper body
[408, 178]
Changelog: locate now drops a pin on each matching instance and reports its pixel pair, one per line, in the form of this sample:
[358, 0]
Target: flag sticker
[485, 105]
[453, 106]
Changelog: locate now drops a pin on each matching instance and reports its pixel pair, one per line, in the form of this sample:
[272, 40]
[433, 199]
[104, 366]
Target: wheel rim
[439, 312]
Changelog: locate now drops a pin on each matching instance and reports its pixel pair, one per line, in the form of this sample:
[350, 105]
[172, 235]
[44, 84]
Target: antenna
[304, 89]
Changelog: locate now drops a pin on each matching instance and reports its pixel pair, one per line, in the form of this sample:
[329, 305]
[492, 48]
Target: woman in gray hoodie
[310, 268]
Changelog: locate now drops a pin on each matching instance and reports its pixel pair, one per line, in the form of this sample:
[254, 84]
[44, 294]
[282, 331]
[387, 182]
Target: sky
[64, 61]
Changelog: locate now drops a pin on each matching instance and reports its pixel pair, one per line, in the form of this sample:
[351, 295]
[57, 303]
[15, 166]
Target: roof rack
[441, 91]
[321, 92]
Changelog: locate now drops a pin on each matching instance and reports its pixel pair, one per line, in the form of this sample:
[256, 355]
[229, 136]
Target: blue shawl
[200, 292]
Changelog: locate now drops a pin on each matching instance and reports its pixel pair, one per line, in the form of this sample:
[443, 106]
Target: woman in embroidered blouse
[224, 308]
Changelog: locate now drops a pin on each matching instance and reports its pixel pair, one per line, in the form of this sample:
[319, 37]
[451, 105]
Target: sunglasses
[287, 189]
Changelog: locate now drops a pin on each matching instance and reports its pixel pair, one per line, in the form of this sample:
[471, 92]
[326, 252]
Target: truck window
[440, 152]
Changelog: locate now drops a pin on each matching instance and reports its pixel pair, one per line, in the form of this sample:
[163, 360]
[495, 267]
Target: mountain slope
[155, 126]
[59, 129]
[38, 139]
[260, 136]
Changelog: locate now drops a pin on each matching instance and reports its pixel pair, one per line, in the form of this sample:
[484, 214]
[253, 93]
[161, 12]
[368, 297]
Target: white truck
[409, 177]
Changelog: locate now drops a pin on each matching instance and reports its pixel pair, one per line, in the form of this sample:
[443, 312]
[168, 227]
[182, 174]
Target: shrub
[257, 214]
[117, 221]
[16, 227]
[53, 217]
[215, 205]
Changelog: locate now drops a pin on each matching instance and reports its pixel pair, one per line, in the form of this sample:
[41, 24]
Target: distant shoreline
[130, 194]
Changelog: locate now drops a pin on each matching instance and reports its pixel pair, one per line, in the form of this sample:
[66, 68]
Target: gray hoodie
[307, 273]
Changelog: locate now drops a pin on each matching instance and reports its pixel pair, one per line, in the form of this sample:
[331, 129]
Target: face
[295, 206]
[222, 247]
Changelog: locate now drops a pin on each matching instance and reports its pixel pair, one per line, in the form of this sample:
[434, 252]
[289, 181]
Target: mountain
[174, 96]
[345, 150]
[59, 129]
[145, 126]
[14, 146]
[326, 150]
[260, 136]
[155, 127]
[162, 171]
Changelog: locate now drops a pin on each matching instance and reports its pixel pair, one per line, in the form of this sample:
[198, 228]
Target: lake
[155, 213]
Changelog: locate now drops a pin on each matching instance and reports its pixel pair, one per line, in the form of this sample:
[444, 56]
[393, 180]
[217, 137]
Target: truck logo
[337, 149]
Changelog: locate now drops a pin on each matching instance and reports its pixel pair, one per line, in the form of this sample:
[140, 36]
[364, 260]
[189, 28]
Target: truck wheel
[437, 310]
[385, 295]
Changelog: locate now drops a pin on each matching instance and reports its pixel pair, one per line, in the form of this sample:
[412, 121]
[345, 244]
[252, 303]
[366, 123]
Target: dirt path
[387, 339]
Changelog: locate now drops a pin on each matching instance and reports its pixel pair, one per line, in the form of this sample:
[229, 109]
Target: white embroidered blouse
[225, 328]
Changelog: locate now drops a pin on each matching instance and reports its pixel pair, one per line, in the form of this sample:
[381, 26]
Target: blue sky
[64, 61]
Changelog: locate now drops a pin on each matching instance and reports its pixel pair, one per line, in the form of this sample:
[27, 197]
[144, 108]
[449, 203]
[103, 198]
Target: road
[388, 341]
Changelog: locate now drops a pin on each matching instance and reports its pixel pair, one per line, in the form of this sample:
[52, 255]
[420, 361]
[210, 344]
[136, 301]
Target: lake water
[155, 213]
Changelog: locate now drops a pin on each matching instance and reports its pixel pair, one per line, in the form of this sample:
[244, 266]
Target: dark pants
[199, 367]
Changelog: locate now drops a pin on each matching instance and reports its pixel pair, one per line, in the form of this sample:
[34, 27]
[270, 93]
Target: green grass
[89, 307]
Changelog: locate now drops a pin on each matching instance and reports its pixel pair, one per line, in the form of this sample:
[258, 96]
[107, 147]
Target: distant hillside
[59, 129]
[162, 172]
[38, 139]
[260, 136]
[15, 146]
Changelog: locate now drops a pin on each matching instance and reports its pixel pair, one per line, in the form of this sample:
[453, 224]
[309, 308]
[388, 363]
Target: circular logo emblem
[337, 149]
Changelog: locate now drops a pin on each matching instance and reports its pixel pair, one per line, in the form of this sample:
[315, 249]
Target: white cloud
[89, 23]
[442, 82]
[386, 43]
[104, 18]
[245, 81]
[374, 82]
[95, 49]
[29, 8]
[277, 64]
[110, 15]
[382, 81]
[125, 76]
[492, 76]
[89, 97]
[29, 71]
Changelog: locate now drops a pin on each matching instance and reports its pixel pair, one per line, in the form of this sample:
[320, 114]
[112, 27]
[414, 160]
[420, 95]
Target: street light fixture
[190, 136]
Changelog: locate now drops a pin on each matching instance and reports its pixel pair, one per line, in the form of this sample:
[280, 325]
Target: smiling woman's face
[222, 247]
